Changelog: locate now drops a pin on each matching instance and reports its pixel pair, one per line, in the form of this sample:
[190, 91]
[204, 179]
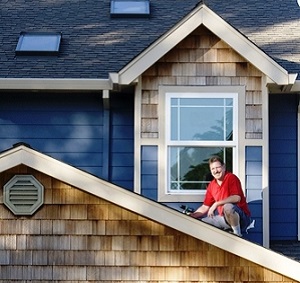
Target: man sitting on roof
[224, 195]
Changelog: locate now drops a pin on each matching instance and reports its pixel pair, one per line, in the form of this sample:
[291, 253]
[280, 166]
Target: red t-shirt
[231, 185]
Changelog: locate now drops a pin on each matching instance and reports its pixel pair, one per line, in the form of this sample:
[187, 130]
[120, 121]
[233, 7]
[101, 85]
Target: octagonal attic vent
[23, 194]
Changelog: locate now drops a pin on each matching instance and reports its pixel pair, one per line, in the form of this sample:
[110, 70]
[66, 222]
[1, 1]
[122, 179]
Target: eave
[22, 154]
[202, 15]
[296, 86]
[55, 84]
[292, 87]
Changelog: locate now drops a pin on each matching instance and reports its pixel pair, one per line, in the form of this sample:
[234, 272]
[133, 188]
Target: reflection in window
[189, 170]
[201, 119]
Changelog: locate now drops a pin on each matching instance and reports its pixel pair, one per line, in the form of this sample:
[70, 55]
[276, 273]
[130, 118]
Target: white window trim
[239, 123]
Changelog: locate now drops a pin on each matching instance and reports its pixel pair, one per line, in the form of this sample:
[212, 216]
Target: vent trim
[23, 194]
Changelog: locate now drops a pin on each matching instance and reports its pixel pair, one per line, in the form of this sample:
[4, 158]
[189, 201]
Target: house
[122, 96]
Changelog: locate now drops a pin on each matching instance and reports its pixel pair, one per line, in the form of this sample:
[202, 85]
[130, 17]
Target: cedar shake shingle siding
[77, 237]
[202, 59]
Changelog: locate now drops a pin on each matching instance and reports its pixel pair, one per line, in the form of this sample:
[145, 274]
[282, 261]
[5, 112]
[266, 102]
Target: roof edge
[54, 84]
[296, 86]
[246, 48]
[22, 154]
[204, 15]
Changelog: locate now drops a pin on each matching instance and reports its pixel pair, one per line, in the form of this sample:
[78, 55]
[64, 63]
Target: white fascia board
[160, 47]
[293, 78]
[245, 48]
[296, 86]
[54, 84]
[203, 15]
[150, 209]
[292, 87]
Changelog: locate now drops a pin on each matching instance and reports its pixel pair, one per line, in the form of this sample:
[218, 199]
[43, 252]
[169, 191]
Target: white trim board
[202, 15]
[55, 84]
[86, 182]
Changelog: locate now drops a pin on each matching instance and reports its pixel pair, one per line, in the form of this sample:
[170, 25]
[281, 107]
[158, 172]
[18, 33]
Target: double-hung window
[198, 125]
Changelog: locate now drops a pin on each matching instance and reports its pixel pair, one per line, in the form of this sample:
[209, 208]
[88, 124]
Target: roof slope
[202, 15]
[273, 25]
[94, 44]
[290, 249]
[149, 209]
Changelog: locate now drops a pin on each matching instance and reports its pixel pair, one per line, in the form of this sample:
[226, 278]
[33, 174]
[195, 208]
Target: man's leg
[217, 221]
[232, 218]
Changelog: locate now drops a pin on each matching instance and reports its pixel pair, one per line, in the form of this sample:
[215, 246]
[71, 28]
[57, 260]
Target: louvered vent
[23, 194]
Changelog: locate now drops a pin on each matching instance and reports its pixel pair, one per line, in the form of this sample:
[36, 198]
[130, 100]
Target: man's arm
[230, 199]
[202, 210]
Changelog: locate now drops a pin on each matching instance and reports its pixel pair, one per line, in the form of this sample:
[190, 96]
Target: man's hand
[196, 214]
[211, 211]
[200, 212]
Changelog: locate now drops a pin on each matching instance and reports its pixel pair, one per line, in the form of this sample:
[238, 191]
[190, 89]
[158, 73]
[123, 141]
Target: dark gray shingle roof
[290, 248]
[273, 25]
[94, 44]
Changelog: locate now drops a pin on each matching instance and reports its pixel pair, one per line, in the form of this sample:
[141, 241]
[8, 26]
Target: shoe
[238, 235]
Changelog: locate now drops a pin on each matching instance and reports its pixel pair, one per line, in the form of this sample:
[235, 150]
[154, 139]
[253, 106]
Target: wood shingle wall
[76, 237]
[202, 59]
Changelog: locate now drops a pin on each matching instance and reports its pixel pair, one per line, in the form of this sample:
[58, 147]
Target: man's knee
[228, 209]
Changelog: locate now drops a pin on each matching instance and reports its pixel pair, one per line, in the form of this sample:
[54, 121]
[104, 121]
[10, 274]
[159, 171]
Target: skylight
[38, 43]
[130, 8]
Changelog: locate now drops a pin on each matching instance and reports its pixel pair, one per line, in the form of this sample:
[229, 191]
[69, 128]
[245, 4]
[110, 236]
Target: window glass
[37, 43]
[201, 119]
[132, 7]
[189, 170]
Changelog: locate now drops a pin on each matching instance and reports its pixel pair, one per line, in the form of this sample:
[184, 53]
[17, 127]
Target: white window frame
[238, 95]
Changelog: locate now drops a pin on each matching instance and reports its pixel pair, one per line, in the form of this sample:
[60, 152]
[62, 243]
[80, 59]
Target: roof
[273, 25]
[94, 44]
[22, 154]
[202, 15]
[290, 248]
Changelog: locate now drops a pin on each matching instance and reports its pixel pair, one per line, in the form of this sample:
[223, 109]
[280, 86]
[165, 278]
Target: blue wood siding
[122, 140]
[65, 126]
[149, 172]
[75, 129]
[283, 166]
[254, 191]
